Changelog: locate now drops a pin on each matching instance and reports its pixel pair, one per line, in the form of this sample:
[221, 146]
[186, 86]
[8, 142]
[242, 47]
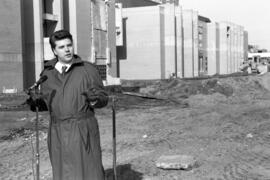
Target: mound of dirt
[178, 88]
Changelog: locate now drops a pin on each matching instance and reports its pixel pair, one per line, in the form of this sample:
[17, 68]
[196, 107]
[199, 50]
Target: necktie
[64, 68]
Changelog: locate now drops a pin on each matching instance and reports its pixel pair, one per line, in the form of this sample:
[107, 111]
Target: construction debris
[176, 162]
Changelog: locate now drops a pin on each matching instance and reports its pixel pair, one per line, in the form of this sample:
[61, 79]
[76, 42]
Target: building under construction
[164, 41]
[127, 39]
[27, 24]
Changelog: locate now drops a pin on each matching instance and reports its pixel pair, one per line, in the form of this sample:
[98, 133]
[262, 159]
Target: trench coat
[73, 135]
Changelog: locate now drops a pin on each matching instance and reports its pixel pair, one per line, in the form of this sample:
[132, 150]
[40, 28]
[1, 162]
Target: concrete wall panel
[33, 40]
[113, 66]
[241, 46]
[202, 46]
[179, 42]
[170, 40]
[10, 15]
[223, 47]
[212, 48]
[80, 26]
[195, 44]
[143, 54]
[231, 39]
[233, 49]
[245, 45]
[236, 52]
[188, 43]
[11, 67]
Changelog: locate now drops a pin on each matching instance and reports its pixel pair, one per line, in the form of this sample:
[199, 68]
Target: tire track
[248, 165]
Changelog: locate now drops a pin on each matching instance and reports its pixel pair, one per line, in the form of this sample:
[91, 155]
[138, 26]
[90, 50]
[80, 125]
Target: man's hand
[35, 100]
[97, 98]
[91, 96]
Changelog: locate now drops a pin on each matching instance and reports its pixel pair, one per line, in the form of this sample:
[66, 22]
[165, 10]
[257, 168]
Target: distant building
[259, 57]
[164, 41]
[195, 44]
[232, 47]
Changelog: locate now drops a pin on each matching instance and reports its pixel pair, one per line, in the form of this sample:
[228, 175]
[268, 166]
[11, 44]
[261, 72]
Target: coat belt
[78, 116]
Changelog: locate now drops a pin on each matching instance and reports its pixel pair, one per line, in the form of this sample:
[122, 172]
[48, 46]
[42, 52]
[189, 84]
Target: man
[71, 92]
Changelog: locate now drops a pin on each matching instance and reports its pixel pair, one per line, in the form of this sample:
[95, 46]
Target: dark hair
[59, 35]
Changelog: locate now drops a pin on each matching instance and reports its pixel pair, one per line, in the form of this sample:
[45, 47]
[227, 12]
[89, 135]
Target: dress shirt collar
[58, 66]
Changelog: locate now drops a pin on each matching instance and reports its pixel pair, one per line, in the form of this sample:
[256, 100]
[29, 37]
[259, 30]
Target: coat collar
[76, 60]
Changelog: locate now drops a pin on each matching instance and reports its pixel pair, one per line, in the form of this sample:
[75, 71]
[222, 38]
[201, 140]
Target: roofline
[204, 19]
[263, 54]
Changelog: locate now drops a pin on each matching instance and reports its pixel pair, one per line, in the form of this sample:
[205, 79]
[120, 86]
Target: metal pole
[37, 140]
[114, 139]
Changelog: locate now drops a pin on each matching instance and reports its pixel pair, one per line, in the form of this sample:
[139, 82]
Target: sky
[253, 15]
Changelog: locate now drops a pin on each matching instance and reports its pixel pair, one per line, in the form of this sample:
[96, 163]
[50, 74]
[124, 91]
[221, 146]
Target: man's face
[64, 50]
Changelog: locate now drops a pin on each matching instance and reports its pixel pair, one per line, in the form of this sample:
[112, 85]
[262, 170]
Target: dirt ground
[224, 123]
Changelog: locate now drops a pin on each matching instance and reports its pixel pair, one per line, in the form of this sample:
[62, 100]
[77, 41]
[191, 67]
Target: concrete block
[176, 162]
